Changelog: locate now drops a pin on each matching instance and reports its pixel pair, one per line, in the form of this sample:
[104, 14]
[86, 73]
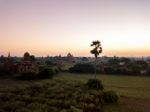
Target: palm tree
[96, 51]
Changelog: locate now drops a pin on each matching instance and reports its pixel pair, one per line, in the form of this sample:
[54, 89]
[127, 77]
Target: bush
[4, 70]
[10, 106]
[95, 84]
[56, 70]
[43, 74]
[110, 70]
[110, 97]
[82, 68]
[27, 76]
[123, 70]
[46, 73]
[92, 108]
[148, 72]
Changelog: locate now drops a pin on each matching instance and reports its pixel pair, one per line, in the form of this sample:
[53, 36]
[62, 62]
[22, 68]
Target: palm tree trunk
[95, 68]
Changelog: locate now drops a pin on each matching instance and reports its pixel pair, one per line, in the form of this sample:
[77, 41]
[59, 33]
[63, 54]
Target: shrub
[56, 70]
[148, 71]
[27, 76]
[10, 106]
[46, 73]
[92, 108]
[4, 70]
[123, 70]
[110, 70]
[95, 84]
[110, 97]
[82, 68]
[120, 70]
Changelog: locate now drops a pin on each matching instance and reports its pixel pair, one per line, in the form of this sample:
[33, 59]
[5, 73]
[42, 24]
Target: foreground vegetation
[129, 86]
[56, 96]
[68, 92]
[134, 91]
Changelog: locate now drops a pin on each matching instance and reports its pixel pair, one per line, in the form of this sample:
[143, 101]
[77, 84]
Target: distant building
[9, 64]
[70, 58]
[57, 60]
[27, 65]
[26, 57]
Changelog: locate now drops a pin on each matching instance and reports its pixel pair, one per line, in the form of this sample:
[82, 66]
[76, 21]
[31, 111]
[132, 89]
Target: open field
[134, 91]
[128, 86]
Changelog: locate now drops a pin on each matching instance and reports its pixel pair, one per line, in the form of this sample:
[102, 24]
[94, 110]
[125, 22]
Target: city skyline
[53, 27]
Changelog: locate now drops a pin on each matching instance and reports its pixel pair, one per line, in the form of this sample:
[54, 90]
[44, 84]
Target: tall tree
[32, 58]
[96, 51]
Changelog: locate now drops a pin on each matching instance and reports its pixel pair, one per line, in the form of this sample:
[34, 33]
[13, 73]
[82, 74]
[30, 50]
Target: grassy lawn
[134, 91]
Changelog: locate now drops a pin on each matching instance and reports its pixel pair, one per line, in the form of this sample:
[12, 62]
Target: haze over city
[53, 27]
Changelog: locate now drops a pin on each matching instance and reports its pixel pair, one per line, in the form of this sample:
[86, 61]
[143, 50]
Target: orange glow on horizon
[58, 27]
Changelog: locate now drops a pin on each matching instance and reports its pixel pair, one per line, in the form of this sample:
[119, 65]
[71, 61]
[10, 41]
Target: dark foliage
[95, 84]
[49, 63]
[82, 68]
[27, 76]
[52, 97]
[5, 71]
[148, 72]
[110, 70]
[46, 73]
[121, 70]
[57, 70]
[110, 97]
[91, 108]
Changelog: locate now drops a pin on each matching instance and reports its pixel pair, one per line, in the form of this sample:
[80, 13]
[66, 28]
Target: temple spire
[9, 55]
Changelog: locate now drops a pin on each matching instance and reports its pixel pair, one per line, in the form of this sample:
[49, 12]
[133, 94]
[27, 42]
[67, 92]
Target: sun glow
[53, 28]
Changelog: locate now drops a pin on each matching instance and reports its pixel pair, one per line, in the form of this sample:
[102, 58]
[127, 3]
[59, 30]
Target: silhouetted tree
[96, 51]
[32, 58]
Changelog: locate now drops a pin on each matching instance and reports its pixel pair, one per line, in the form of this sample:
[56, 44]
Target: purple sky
[53, 27]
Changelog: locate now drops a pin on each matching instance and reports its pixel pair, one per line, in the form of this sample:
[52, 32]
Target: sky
[53, 27]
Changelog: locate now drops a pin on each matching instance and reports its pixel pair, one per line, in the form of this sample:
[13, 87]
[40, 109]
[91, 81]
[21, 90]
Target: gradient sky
[53, 27]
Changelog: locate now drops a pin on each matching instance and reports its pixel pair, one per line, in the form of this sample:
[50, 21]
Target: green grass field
[134, 91]
[129, 86]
